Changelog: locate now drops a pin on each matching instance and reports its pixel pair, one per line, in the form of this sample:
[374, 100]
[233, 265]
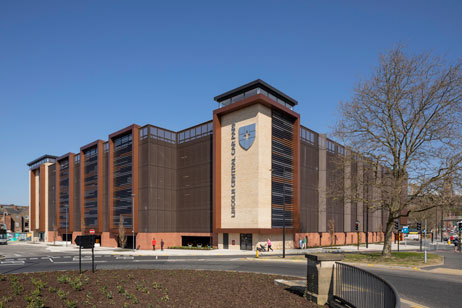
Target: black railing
[361, 289]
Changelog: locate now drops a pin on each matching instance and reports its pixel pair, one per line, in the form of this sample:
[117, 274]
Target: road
[423, 287]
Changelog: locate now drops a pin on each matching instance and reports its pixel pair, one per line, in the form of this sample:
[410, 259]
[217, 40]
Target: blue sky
[72, 72]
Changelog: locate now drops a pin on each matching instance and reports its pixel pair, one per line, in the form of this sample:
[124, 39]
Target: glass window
[251, 92]
[237, 98]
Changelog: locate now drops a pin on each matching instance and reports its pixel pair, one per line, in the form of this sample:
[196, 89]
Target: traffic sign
[405, 229]
[92, 231]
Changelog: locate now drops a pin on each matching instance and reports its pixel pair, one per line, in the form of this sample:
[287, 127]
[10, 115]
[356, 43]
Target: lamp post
[133, 220]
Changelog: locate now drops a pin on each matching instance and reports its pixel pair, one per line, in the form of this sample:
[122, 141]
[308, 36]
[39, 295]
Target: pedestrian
[269, 245]
[456, 244]
[162, 244]
[305, 241]
[153, 243]
[301, 244]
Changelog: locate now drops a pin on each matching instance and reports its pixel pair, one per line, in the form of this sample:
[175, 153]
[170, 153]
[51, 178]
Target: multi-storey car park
[232, 182]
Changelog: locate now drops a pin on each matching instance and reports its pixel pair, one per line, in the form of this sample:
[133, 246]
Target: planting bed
[145, 288]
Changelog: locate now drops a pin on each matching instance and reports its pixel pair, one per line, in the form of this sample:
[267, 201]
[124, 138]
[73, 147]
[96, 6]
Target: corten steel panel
[195, 185]
[51, 197]
[76, 213]
[160, 188]
[100, 186]
[71, 192]
[33, 199]
[335, 183]
[354, 179]
[256, 99]
[58, 189]
[216, 172]
[111, 183]
[105, 193]
[309, 187]
[42, 198]
[296, 183]
[135, 174]
[70, 157]
[134, 129]
[82, 192]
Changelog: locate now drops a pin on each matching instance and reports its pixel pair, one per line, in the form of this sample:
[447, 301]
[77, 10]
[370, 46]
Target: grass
[405, 259]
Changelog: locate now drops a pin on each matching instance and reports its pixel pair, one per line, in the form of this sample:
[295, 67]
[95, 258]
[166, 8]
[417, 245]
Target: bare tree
[122, 235]
[406, 122]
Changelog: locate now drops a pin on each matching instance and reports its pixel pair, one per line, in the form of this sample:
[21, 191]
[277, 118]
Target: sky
[72, 72]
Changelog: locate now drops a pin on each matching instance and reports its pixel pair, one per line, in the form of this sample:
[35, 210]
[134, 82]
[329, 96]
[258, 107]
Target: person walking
[301, 244]
[153, 243]
[456, 244]
[161, 244]
[269, 245]
[305, 241]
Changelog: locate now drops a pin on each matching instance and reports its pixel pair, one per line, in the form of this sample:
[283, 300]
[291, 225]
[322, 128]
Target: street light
[133, 220]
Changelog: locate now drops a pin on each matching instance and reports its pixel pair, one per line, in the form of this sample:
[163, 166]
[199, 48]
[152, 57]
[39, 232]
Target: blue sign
[405, 229]
[246, 136]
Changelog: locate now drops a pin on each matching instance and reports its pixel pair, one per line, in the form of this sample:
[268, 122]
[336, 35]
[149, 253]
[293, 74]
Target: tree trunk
[386, 252]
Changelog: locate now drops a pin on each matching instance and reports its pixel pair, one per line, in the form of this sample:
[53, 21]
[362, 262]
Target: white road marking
[51, 260]
[125, 258]
[86, 258]
[12, 262]
[33, 258]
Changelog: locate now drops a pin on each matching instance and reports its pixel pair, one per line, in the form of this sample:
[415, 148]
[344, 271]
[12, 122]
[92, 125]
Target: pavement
[60, 247]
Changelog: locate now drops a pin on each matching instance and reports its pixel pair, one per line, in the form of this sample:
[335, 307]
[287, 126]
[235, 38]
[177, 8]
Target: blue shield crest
[246, 136]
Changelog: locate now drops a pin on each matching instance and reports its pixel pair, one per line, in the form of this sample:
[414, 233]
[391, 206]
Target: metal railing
[361, 289]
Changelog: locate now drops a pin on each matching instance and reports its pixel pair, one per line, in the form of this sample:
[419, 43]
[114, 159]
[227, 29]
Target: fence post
[320, 276]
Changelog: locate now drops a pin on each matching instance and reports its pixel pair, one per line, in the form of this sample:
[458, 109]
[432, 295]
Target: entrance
[225, 241]
[246, 241]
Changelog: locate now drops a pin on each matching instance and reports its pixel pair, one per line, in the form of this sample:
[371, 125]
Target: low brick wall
[319, 239]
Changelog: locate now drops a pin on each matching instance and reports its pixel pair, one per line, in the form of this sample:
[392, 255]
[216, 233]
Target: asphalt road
[429, 289]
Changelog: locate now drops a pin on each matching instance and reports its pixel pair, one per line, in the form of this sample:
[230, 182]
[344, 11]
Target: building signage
[233, 170]
[246, 136]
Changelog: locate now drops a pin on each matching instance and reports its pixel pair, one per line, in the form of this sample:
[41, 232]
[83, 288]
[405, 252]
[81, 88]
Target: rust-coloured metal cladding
[135, 161]
[111, 182]
[91, 144]
[297, 175]
[42, 198]
[216, 173]
[123, 130]
[58, 190]
[134, 128]
[32, 201]
[82, 192]
[100, 185]
[70, 157]
[71, 192]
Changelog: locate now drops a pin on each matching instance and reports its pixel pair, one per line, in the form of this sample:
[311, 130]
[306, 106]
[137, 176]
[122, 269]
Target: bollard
[257, 254]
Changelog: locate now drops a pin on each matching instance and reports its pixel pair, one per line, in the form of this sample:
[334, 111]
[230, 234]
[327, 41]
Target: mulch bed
[145, 288]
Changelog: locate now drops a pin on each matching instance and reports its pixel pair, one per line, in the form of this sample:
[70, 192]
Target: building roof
[12, 209]
[41, 158]
[256, 84]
